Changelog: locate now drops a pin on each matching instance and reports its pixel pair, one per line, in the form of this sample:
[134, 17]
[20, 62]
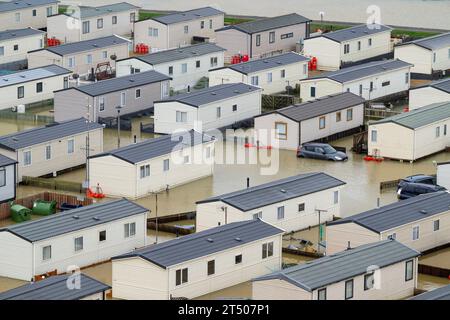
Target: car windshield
[329, 149]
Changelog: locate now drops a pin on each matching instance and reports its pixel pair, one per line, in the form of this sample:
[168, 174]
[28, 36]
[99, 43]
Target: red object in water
[245, 58]
[97, 195]
[265, 147]
[314, 63]
[406, 109]
[369, 158]
[248, 145]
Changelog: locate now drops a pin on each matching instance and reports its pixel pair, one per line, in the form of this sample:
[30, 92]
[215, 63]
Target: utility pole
[118, 125]
[319, 238]
[156, 211]
[87, 147]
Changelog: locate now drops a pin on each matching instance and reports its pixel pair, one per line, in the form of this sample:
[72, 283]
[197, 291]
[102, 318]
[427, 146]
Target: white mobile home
[385, 270]
[133, 94]
[32, 85]
[429, 56]
[153, 165]
[52, 148]
[437, 91]
[84, 23]
[17, 14]
[199, 263]
[78, 237]
[411, 135]
[264, 37]
[443, 174]
[324, 118]
[372, 80]
[81, 57]
[290, 203]
[186, 66]
[272, 74]
[7, 179]
[58, 288]
[421, 222]
[179, 29]
[15, 44]
[207, 109]
[362, 43]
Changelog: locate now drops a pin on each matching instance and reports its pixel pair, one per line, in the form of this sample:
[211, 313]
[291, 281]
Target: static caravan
[429, 56]
[372, 81]
[411, 135]
[384, 270]
[7, 179]
[153, 165]
[52, 148]
[63, 287]
[272, 74]
[32, 85]
[17, 14]
[85, 23]
[442, 293]
[179, 29]
[186, 66]
[15, 44]
[422, 223]
[324, 118]
[354, 45]
[290, 203]
[263, 38]
[199, 263]
[437, 91]
[79, 237]
[206, 109]
[443, 174]
[99, 100]
[82, 57]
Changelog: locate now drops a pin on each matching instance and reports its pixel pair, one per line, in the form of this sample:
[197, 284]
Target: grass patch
[413, 34]
[229, 20]
[148, 15]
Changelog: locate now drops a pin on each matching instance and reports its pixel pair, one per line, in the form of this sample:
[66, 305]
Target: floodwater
[408, 13]
[439, 258]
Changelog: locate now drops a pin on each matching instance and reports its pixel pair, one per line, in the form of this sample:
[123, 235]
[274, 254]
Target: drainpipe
[33, 260]
[251, 46]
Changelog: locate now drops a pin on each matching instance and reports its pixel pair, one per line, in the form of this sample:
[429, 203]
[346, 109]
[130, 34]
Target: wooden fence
[53, 184]
[47, 196]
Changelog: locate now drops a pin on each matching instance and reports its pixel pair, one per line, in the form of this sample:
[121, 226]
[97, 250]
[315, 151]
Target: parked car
[410, 190]
[321, 151]
[417, 178]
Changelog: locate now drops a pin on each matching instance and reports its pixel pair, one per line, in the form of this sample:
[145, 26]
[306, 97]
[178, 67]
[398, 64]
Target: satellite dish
[75, 76]
[113, 57]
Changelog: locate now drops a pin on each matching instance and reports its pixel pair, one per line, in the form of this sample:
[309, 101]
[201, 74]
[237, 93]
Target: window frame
[238, 259]
[322, 290]
[366, 276]
[39, 87]
[409, 277]
[282, 136]
[347, 297]
[100, 236]
[322, 122]
[280, 213]
[211, 264]
[43, 253]
[78, 247]
[3, 177]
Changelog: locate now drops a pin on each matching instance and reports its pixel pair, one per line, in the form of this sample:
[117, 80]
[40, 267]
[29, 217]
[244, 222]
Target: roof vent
[366, 32]
[423, 211]
[236, 91]
[76, 217]
[95, 45]
[22, 76]
[213, 93]
[96, 218]
[131, 80]
[282, 190]
[279, 62]
[210, 240]
[109, 10]
[265, 61]
[353, 31]
[6, 80]
[238, 239]
[384, 68]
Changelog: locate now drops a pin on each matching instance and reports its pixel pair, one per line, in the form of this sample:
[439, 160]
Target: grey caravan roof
[432, 43]
[204, 243]
[120, 83]
[22, 4]
[321, 106]
[267, 63]
[178, 53]
[420, 117]
[355, 32]
[400, 213]
[268, 23]
[363, 70]
[5, 161]
[157, 147]
[87, 45]
[87, 12]
[53, 131]
[277, 191]
[187, 15]
[443, 85]
[343, 265]
[215, 93]
[75, 219]
[18, 33]
[32, 75]
[55, 288]
[442, 293]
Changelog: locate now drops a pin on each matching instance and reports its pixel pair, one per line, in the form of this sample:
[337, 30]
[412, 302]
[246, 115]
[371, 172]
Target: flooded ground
[439, 259]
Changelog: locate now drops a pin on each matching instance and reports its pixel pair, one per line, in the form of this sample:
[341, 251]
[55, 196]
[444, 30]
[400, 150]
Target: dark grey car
[321, 151]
